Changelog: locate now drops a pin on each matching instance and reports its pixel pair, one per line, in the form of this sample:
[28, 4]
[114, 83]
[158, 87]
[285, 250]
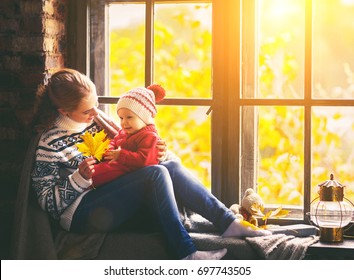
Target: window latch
[209, 110]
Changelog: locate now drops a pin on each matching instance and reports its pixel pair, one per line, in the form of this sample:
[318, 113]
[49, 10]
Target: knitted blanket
[281, 246]
[272, 247]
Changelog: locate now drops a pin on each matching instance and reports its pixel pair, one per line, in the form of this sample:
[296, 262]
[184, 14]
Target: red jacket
[137, 150]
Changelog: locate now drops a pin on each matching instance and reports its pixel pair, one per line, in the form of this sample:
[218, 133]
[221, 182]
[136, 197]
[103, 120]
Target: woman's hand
[162, 148]
[86, 168]
[112, 155]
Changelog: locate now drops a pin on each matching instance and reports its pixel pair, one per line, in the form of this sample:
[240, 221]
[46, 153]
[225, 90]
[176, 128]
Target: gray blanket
[32, 236]
[281, 246]
[272, 247]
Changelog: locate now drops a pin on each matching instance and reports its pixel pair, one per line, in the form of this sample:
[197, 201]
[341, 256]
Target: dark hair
[63, 90]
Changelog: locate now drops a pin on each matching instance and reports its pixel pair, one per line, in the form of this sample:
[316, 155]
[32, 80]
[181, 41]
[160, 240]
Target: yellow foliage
[93, 144]
[277, 213]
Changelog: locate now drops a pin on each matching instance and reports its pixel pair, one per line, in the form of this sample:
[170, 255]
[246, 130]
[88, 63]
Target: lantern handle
[349, 201]
[315, 199]
[308, 214]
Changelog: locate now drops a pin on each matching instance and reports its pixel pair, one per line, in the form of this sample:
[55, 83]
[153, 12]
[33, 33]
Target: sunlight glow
[280, 8]
[348, 2]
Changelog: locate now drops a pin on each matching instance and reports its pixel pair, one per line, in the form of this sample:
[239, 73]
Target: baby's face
[130, 121]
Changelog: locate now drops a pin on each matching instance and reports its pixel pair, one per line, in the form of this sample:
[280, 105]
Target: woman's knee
[158, 169]
[159, 173]
[172, 165]
[161, 181]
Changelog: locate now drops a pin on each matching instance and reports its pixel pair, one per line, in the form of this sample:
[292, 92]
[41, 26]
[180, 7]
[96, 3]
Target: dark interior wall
[32, 41]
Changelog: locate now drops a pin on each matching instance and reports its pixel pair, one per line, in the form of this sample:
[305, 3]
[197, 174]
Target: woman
[62, 177]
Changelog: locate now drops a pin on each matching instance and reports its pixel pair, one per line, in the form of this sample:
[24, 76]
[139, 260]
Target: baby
[135, 144]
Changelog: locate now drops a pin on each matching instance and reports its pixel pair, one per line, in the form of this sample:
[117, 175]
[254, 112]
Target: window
[296, 99]
[136, 43]
[276, 75]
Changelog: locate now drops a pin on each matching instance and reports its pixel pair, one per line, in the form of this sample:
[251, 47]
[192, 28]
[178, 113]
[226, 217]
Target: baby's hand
[112, 155]
[162, 148]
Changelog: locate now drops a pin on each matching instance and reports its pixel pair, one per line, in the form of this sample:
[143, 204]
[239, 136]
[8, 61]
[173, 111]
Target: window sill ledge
[331, 251]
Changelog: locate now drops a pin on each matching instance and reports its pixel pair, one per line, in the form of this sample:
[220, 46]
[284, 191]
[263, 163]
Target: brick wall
[32, 41]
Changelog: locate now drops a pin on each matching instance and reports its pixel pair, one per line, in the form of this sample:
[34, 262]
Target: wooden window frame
[232, 138]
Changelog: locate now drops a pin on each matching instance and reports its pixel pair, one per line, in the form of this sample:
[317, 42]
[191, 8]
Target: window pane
[182, 49]
[279, 42]
[126, 47]
[332, 147]
[281, 155]
[186, 130]
[333, 41]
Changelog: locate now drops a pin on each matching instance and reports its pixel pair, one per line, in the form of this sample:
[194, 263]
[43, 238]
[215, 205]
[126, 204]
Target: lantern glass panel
[331, 214]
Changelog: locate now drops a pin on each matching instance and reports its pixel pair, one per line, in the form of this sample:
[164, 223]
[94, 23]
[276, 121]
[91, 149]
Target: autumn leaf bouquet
[94, 144]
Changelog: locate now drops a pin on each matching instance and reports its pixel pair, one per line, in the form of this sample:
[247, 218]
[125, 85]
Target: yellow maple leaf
[93, 144]
[257, 209]
[277, 213]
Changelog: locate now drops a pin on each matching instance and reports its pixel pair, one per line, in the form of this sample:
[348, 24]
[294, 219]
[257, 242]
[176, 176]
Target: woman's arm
[56, 179]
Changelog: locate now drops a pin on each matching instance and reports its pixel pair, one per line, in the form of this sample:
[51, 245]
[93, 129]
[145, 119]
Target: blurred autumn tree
[281, 129]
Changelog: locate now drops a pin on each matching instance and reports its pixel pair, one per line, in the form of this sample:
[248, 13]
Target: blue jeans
[192, 194]
[109, 206]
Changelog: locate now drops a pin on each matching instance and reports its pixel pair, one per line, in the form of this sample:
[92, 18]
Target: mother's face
[86, 111]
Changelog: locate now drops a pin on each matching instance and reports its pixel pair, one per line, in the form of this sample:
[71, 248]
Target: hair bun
[159, 92]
